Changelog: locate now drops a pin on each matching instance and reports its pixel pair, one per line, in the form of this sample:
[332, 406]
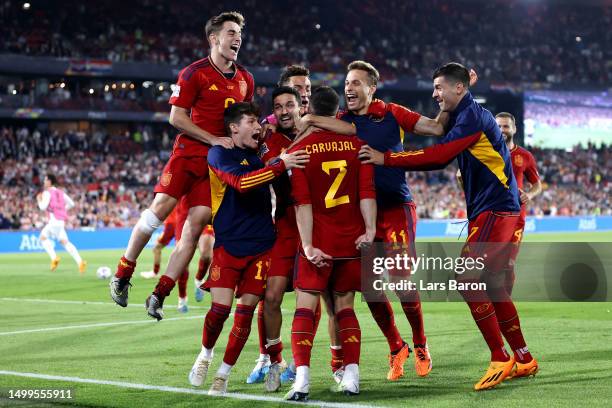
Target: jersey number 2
[330, 198]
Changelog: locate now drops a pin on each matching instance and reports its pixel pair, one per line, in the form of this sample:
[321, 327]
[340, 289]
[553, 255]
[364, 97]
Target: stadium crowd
[496, 37]
[110, 178]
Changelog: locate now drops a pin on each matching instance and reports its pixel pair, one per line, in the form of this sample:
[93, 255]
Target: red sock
[125, 268]
[413, 313]
[302, 336]
[337, 360]
[156, 268]
[510, 326]
[203, 265]
[317, 317]
[383, 315]
[486, 320]
[509, 279]
[213, 324]
[182, 283]
[243, 316]
[164, 287]
[261, 328]
[275, 352]
[350, 335]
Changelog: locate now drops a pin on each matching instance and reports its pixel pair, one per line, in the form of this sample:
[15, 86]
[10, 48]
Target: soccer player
[523, 166]
[492, 201]
[204, 89]
[163, 241]
[205, 245]
[336, 214]
[244, 235]
[56, 202]
[382, 126]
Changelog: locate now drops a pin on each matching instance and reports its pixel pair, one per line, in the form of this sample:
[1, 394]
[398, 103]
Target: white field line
[89, 325]
[232, 395]
[83, 302]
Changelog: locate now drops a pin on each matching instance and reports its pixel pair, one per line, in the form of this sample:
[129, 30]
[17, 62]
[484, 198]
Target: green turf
[573, 342]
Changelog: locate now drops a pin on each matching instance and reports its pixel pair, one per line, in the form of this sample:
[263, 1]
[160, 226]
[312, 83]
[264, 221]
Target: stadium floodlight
[26, 6]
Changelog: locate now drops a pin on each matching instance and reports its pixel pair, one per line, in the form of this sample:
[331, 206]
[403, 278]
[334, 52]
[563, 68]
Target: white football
[103, 272]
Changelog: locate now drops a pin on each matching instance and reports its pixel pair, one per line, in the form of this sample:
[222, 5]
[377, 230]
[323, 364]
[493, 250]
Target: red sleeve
[431, 158]
[406, 118]
[250, 87]
[531, 170]
[269, 149]
[299, 187]
[187, 88]
[366, 182]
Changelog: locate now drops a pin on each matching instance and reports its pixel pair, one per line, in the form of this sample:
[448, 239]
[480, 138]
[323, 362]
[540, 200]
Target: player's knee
[273, 300]
[63, 242]
[148, 222]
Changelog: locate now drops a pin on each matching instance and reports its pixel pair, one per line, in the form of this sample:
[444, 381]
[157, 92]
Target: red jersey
[275, 144]
[523, 166]
[333, 181]
[206, 91]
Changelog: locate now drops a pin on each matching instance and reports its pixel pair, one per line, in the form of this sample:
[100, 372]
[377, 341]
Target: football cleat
[297, 395]
[273, 380]
[198, 372]
[396, 363]
[219, 385]
[54, 263]
[82, 267]
[199, 293]
[349, 388]
[155, 307]
[259, 371]
[422, 360]
[496, 373]
[289, 374]
[338, 374]
[119, 290]
[148, 275]
[524, 370]
[182, 305]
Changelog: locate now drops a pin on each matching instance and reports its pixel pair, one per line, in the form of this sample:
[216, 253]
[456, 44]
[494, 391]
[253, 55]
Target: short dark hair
[214, 24]
[373, 75]
[291, 71]
[324, 101]
[235, 112]
[507, 115]
[454, 72]
[281, 90]
[52, 178]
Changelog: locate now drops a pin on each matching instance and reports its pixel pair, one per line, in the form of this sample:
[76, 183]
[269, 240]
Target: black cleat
[154, 307]
[119, 290]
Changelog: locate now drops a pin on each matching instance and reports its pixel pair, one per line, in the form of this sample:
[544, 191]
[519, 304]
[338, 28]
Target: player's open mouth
[285, 118]
[235, 48]
[351, 98]
[255, 135]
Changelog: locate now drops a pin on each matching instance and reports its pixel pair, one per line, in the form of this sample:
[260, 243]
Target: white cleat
[273, 379]
[297, 393]
[219, 385]
[148, 275]
[338, 374]
[349, 387]
[198, 372]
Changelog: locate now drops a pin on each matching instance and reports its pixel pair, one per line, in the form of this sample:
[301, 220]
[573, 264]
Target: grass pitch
[64, 325]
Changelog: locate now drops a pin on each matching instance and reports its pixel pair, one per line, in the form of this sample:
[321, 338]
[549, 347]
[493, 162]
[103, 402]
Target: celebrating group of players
[339, 183]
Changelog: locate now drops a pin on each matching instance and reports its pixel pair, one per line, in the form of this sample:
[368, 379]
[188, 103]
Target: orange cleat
[496, 373]
[54, 263]
[524, 370]
[422, 361]
[82, 267]
[396, 363]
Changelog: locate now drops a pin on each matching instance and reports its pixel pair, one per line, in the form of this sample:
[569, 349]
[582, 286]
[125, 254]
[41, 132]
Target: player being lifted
[204, 89]
[56, 203]
[336, 214]
[242, 219]
[492, 201]
[382, 126]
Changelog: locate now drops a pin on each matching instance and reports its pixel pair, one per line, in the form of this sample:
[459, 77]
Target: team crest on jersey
[165, 179]
[243, 88]
[518, 160]
[215, 272]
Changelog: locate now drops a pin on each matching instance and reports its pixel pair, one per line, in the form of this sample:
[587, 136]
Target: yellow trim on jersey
[265, 173]
[484, 152]
[402, 134]
[217, 191]
[406, 154]
[258, 181]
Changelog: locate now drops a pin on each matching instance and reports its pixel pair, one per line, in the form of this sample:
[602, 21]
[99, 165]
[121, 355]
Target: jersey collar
[216, 68]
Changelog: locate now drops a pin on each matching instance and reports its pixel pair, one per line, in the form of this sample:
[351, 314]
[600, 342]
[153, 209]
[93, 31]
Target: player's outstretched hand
[473, 77]
[297, 159]
[369, 155]
[316, 256]
[226, 142]
[524, 196]
[365, 240]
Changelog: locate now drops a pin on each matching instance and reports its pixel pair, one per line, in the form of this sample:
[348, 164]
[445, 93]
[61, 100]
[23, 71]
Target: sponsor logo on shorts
[243, 88]
[215, 272]
[165, 179]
